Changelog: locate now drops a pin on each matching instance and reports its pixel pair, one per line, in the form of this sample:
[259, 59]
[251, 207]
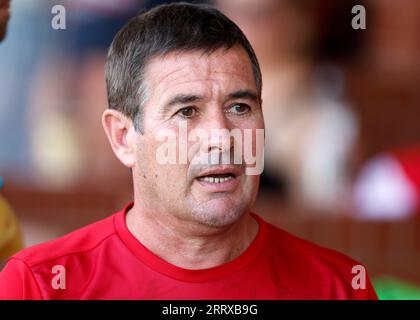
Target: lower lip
[226, 186]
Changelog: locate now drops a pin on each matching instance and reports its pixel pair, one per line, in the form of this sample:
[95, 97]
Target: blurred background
[342, 112]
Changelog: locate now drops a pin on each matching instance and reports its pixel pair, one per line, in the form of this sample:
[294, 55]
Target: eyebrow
[180, 99]
[244, 94]
[183, 99]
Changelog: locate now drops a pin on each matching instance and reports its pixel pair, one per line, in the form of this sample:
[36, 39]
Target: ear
[121, 135]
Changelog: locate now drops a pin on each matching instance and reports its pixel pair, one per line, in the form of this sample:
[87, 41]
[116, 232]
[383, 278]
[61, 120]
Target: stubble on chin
[212, 217]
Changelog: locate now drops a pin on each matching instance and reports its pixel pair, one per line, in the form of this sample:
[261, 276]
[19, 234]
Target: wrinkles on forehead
[199, 73]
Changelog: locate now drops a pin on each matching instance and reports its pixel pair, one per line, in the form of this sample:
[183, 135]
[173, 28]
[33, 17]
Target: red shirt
[105, 261]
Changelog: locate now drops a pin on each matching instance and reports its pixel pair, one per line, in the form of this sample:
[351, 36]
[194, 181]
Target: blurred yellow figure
[10, 235]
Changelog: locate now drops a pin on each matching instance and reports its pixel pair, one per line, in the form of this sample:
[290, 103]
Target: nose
[218, 132]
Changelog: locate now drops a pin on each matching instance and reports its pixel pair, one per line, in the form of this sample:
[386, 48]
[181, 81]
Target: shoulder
[308, 250]
[77, 242]
[323, 272]
[28, 274]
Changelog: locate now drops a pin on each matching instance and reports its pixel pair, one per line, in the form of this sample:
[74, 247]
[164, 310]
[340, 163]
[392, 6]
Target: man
[182, 70]
[4, 17]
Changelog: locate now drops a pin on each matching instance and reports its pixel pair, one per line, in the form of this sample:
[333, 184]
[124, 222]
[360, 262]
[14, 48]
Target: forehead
[224, 69]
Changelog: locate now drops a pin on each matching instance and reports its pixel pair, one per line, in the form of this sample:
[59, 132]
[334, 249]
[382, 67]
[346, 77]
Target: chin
[220, 212]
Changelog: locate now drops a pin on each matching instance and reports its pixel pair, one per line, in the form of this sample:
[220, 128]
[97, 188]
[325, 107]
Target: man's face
[207, 93]
[4, 17]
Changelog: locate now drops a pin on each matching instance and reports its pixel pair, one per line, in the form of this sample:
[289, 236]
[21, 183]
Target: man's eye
[187, 112]
[239, 108]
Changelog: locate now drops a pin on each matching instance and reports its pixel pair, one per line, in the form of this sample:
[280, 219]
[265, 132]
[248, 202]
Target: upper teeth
[216, 179]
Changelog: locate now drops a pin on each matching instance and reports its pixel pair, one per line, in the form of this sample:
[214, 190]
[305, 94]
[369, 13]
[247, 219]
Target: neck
[190, 245]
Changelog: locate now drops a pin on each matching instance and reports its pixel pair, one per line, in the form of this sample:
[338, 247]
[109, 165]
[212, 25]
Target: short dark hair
[166, 28]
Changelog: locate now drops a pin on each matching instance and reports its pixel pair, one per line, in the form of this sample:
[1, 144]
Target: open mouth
[217, 178]
[220, 178]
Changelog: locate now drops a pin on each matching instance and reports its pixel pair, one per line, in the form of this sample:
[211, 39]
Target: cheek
[165, 176]
[253, 137]
[253, 182]
[167, 149]
[249, 183]
[146, 163]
